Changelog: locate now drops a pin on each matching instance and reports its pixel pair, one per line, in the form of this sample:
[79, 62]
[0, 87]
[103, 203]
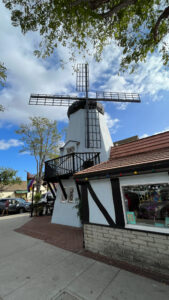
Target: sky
[28, 74]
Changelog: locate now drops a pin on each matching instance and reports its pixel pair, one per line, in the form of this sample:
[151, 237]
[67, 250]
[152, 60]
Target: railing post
[73, 157]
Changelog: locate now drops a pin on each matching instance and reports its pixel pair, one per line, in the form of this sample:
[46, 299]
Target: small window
[71, 195]
[70, 150]
[147, 205]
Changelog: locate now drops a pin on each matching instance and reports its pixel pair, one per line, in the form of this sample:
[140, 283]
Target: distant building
[125, 141]
[18, 191]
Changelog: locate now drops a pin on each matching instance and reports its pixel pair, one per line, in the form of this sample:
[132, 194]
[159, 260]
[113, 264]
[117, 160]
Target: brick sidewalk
[68, 238]
[71, 239]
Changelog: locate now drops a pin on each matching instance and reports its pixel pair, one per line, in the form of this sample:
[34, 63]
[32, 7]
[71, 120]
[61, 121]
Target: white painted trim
[147, 228]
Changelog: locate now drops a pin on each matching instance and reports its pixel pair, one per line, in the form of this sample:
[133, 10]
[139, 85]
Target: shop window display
[147, 204]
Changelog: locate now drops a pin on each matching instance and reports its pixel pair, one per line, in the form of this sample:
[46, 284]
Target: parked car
[47, 197]
[16, 205]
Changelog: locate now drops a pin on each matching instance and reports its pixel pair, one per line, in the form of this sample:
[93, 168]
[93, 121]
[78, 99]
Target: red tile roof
[154, 142]
[148, 150]
[17, 186]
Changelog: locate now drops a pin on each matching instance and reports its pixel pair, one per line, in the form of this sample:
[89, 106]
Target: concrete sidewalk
[32, 269]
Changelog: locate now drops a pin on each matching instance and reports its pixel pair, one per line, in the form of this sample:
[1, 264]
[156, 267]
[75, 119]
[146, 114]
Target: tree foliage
[2, 80]
[8, 177]
[2, 74]
[40, 138]
[139, 26]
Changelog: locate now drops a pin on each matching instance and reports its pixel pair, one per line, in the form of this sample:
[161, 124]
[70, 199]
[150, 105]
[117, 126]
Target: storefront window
[147, 204]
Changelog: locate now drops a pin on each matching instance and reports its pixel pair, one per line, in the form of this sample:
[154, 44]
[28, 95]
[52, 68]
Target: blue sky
[28, 74]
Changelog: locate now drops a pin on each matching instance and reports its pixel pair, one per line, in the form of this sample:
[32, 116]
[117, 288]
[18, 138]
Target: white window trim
[141, 227]
[147, 228]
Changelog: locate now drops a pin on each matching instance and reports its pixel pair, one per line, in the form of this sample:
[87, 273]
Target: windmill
[88, 139]
[82, 85]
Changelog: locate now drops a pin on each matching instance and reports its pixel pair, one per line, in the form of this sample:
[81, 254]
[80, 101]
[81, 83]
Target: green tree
[7, 177]
[40, 138]
[139, 26]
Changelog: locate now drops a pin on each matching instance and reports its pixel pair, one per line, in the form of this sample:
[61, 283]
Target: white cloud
[122, 106]
[146, 135]
[24, 153]
[27, 74]
[143, 136]
[112, 124]
[5, 145]
[151, 77]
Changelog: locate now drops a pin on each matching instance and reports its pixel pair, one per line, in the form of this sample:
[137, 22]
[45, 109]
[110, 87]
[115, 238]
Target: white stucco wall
[76, 132]
[65, 213]
[103, 190]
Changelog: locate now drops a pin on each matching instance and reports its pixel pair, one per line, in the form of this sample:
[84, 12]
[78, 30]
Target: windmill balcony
[65, 166]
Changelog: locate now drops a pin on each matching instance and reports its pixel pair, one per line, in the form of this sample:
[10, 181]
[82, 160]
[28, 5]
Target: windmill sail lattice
[92, 126]
[82, 78]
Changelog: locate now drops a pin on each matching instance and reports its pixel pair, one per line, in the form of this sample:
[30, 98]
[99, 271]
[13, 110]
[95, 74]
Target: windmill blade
[51, 100]
[82, 78]
[117, 97]
[60, 100]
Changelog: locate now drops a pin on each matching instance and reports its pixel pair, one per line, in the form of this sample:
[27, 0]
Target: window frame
[135, 226]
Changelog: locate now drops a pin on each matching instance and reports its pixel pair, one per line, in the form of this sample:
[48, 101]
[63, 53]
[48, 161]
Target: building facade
[126, 203]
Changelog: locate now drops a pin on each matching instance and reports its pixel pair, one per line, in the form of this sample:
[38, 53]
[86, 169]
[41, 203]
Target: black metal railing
[69, 164]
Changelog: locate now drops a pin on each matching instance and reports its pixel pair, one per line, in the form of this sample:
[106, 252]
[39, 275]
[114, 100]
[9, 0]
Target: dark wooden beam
[117, 202]
[62, 188]
[51, 189]
[85, 203]
[78, 189]
[54, 187]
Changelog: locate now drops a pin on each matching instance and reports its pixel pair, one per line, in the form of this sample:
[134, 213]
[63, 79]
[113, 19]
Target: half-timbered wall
[103, 190]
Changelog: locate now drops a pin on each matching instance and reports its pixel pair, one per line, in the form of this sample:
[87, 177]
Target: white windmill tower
[88, 142]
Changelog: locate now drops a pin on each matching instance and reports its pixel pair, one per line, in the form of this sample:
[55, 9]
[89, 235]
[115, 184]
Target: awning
[21, 192]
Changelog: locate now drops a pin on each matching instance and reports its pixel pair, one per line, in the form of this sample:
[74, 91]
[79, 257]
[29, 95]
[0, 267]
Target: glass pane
[147, 204]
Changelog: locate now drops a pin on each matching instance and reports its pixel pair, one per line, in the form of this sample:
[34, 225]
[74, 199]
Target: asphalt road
[31, 269]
